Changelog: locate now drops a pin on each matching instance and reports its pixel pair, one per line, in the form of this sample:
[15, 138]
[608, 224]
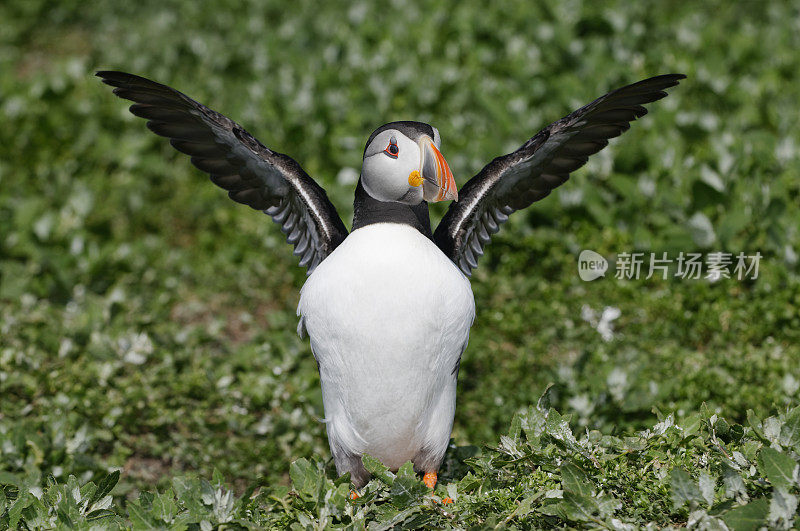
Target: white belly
[388, 315]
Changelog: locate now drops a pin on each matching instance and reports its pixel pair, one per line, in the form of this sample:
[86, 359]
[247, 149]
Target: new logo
[591, 265]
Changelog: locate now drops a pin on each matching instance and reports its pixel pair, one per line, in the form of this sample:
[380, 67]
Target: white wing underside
[388, 315]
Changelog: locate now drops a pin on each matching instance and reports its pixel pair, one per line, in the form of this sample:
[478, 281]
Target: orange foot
[430, 479]
[354, 495]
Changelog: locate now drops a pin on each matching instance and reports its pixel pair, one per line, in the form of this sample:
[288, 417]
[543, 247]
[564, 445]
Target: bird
[387, 306]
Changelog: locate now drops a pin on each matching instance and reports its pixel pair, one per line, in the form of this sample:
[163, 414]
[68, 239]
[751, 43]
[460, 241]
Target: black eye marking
[392, 150]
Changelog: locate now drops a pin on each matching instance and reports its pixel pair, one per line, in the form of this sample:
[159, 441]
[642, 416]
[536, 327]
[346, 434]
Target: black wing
[252, 173]
[516, 180]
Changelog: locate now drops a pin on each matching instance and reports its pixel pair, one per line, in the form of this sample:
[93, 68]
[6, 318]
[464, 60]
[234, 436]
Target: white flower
[602, 325]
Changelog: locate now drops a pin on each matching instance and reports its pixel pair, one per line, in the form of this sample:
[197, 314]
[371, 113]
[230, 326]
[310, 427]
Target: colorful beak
[438, 183]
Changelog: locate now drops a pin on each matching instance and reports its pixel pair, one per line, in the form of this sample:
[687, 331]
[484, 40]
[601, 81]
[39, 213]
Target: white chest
[385, 286]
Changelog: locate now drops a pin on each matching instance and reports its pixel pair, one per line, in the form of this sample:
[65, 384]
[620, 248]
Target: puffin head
[402, 164]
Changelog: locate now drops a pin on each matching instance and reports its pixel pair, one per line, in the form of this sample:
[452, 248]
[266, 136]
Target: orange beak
[438, 183]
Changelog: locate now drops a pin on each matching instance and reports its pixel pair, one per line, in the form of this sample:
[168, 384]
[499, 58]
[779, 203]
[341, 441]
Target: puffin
[387, 306]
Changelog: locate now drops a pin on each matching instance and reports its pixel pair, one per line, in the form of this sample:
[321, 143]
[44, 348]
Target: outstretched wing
[252, 173]
[514, 181]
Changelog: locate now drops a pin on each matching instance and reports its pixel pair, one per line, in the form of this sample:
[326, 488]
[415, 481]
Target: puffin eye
[392, 150]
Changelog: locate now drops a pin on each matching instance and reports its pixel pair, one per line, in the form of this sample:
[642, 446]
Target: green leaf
[607, 505]
[782, 508]
[533, 423]
[207, 492]
[557, 427]
[790, 431]
[407, 470]
[182, 521]
[87, 491]
[340, 497]
[305, 477]
[15, 512]
[526, 505]
[99, 514]
[217, 478]
[575, 480]
[64, 520]
[777, 466]
[683, 489]
[146, 500]
[755, 423]
[691, 424]
[377, 469]
[105, 485]
[732, 479]
[543, 404]
[406, 490]
[164, 506]
[140, 519]
[468, 483]
[707, 485]
[578, 507]
[344, 479]
[188, 492]
[395, 519]
[722, 427]
[736, 432]
[516, 427]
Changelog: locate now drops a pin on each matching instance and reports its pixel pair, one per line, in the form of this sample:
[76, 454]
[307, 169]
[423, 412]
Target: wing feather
[251, 173]
[515, 181]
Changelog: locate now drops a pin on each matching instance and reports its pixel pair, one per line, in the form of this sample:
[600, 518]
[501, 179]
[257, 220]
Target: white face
[389, 160]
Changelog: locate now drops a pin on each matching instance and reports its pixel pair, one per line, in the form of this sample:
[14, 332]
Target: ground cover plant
[150, 374]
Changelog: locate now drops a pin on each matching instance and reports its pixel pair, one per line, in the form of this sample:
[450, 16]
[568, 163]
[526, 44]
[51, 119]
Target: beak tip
[436, 171]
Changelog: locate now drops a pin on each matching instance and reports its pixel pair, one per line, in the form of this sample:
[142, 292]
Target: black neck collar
[368, 210]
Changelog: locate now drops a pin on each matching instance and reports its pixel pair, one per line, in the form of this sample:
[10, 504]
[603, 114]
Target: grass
[147, 322]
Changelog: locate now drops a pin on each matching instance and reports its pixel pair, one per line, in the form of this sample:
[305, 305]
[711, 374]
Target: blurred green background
[148, 323]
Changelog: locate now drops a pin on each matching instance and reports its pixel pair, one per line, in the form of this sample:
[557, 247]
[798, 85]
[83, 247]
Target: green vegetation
[150, 374]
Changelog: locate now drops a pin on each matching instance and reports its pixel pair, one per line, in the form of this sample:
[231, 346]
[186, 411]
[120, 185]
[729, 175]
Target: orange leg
[430, 479]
